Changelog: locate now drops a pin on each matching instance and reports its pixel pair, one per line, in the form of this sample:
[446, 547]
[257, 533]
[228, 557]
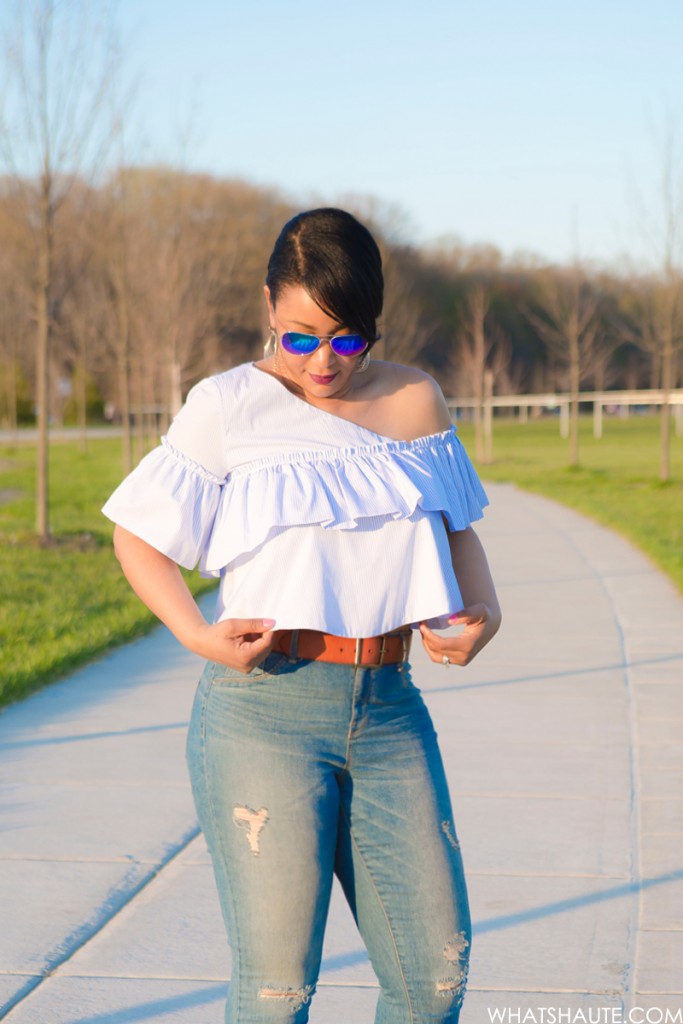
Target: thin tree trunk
[151, 438]
[123, 368]
[83, 400]
[139, 443]
[655, 370]
[477, 418]
[574, 381]
[43, 361]
[665, 415]
[488, 417]
[479, 304]
[13, 392]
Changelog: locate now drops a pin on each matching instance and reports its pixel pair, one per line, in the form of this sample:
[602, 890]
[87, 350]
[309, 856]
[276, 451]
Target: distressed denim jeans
[302, 770]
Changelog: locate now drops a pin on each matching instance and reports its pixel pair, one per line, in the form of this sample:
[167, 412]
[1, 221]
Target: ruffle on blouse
[193, 516]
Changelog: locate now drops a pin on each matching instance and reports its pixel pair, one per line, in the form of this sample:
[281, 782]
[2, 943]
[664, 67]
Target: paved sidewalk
[563, 747]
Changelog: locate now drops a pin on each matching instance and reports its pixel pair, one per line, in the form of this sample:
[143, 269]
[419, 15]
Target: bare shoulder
[413, 395]
[420, 396]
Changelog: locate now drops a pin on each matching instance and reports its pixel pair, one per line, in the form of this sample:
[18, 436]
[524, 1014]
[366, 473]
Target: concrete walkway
[564, 748]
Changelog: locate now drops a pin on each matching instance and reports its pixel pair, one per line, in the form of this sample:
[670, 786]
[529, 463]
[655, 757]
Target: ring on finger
[445, 661]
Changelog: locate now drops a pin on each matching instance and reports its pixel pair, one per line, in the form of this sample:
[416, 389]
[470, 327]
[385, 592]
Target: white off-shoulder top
[307, 518]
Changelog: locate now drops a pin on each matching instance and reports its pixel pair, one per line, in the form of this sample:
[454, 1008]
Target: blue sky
[527, 125]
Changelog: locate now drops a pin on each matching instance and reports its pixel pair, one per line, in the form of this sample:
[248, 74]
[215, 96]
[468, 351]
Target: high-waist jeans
[302, 770]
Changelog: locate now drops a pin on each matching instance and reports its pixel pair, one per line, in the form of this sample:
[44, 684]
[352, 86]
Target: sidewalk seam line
[629, 974]
[101, 925]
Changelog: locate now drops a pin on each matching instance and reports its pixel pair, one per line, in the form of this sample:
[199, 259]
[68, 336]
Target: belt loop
[382, 650]
[293, 647]
[406, 639]
[359, 651]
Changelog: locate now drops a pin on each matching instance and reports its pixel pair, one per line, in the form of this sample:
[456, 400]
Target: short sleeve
[171, 498]
[198, 431]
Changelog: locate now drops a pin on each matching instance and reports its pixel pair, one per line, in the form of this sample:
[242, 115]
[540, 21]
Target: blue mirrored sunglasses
[341, 344]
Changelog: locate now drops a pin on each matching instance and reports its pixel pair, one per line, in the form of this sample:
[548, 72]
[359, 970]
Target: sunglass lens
[299, 344]
[349, 345]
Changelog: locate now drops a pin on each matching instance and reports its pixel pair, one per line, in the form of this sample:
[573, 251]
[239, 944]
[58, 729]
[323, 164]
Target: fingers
[239, 643]
[459, 649]
[474, 613]
[461, 654]
[244, 654]
[248, 642]
[246, 627]
[251, 654]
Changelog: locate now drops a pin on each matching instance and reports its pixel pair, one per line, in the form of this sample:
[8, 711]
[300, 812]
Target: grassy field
[62, 604]
[65, 603]
[616, 484]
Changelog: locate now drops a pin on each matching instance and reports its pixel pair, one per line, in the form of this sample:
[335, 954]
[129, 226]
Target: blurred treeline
[157, 279]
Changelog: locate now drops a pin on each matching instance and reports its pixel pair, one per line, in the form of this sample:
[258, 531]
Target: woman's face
[322, 374]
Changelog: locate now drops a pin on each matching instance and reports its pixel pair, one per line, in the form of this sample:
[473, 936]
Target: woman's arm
[481, 615]
[158, 582]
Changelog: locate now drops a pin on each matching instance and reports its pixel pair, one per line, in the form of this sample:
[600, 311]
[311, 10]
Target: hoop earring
[270, 347]
[363, 363]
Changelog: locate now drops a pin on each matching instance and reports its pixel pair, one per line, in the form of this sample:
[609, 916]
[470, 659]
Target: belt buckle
[359, 651]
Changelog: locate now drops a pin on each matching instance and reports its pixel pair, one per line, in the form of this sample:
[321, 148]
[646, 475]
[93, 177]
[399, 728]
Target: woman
[330, 494]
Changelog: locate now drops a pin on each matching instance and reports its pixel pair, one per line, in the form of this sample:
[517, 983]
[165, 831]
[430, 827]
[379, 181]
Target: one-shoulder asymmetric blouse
[306, 517]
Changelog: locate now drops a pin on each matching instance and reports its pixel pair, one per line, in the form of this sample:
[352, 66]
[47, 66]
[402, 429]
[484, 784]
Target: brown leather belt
[368, 652]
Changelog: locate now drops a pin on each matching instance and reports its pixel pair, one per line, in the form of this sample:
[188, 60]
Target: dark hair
[336, 259]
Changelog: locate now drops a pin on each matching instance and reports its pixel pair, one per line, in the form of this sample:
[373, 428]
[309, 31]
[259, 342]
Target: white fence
[621, 400]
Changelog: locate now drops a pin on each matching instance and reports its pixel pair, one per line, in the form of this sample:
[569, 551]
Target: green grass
[64, 603]
[616, 484]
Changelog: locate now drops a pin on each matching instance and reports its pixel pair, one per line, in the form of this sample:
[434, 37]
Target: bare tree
[660, 332]
[473, 350]
[659, 292]
[84, 318]
[13, 314]
[481, 364]
[568, 321]
[404, 327]
[184, 276]
[113, 248]
[60, 59]
[507, 375]
[14, 306]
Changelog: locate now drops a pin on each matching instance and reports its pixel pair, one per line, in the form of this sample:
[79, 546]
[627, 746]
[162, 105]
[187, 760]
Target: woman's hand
[481, 615]
[238, 643]
[480, 622]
